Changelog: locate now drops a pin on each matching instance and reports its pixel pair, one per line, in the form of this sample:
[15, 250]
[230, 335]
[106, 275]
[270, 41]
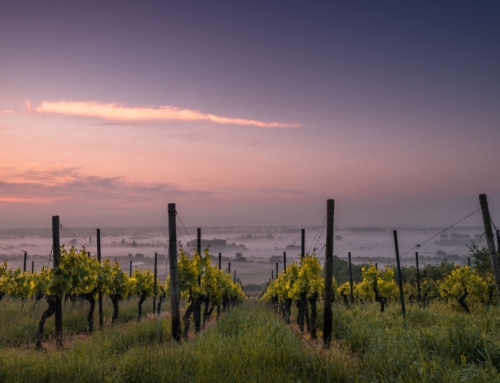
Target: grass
[251, 344]
[19, 322]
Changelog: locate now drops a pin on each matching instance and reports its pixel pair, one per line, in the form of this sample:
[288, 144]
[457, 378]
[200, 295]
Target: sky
[248, 113]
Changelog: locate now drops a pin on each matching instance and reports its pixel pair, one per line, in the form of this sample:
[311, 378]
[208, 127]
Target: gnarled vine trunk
[139, 305]
[380, 299]
[288, 309]
[186, 318]
[300, 315]
[90, 298]
[114, 299]
[206, 300]
[305, 311]
[461, 302]
[312, 300]
[51, 300]
[344, 298]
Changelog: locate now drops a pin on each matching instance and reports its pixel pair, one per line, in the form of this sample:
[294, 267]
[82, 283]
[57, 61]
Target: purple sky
[248, 113]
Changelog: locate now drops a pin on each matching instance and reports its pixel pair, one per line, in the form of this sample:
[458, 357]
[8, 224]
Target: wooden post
[418, 278]
[220, 267]
[198, 242]
[303, 243]
[234, 280]
[56, 246]
[284, 262]
[272, 275]
[376, 266]
[130, 272]
[101, 314]
[350, 279]
[277, 271]
[490, 240]
[328, 294]
[229, 268]
[32, 267]
[25, 258]
[468, 261]
[498, 239]
[154, 283]
[197, 316]
[400, 278]
[175, 296]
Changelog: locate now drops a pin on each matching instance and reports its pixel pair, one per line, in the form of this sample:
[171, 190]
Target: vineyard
[439, 323]
[82, 278]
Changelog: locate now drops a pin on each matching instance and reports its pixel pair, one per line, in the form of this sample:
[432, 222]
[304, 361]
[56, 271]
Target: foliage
[463, 281]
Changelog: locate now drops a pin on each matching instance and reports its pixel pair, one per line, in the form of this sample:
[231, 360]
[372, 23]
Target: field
[251, 343]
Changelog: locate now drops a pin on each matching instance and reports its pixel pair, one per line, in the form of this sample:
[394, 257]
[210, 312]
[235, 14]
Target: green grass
[251, 344]
[18, 322]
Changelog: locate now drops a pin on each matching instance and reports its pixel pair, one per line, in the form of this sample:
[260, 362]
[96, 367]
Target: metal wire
[441, 232]
[71, 234]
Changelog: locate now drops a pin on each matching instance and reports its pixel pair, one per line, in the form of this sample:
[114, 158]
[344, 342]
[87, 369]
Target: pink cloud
[115, 112]
[43, 186]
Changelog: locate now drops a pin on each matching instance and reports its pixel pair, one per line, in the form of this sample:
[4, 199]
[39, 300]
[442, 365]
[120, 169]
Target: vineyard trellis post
[130, 271]
[328, 294]
[174, 279]
[468, 261]
[154, 283]
[101, 314]
[284, 262]
[234, 280]
[350, 279]
[229, 269]
[25, 258]
[498, 239]
[272, 275]
[220, 267]
[418, 278]
[483, 201]
[57, 256]
[197, 311]
[32, 267]
[277, 271]
[400, 278]
[303, 243]
[376, 266]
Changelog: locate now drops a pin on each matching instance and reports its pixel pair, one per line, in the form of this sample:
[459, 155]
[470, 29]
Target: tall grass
[19, 322]
[251, 344]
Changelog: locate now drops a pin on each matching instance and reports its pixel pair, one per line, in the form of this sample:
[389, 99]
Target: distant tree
[240, 257]
[276, 259]
[481, 259]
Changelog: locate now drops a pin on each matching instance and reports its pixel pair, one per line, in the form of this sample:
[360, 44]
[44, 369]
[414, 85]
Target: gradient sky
[248, 113]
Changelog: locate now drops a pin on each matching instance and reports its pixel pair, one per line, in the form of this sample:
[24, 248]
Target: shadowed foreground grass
[20, 321]
[249, 344]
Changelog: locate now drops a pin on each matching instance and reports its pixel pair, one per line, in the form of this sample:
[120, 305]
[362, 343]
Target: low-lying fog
[256, 245]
